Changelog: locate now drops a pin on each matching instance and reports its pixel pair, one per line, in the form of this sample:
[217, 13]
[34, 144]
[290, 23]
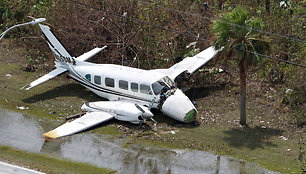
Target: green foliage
[237, 35]
[301, 150]
[192, 52]
[18, 11]
[272, 73]
[286, 22]
[294, 94]
[295, 99]
[29, 60]
[237, 32]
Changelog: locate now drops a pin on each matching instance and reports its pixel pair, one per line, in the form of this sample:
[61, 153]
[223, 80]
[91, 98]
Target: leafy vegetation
[152, 35]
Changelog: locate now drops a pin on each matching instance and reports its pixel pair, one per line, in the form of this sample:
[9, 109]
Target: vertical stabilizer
[55, 45]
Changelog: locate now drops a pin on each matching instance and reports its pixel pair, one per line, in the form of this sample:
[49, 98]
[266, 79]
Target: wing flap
[45, 78]
[87, 121]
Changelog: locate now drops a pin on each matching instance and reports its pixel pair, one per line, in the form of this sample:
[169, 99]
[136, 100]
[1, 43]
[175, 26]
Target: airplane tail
[63, 60]
[55, 45]
[59, 53]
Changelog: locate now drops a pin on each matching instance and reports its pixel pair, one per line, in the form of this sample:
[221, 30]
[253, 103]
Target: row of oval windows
[110, 82]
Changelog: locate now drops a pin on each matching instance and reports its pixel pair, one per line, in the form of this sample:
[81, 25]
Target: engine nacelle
[121, 110]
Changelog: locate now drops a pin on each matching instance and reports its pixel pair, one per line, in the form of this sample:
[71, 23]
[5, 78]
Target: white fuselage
[115, 82]
[144, 87]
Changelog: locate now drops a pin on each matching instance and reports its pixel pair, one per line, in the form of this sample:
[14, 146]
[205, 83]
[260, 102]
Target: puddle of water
[25, 133]
[20, 132]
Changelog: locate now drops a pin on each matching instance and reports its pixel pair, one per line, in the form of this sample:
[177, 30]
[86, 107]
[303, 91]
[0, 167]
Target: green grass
[58, 95]
[48, 164]
[65, 97]
[257, 145]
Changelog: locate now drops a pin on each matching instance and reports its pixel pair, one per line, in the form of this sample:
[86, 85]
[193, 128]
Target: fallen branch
[74, 116]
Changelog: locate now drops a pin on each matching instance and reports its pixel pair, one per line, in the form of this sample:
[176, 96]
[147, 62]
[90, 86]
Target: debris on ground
[22, 107]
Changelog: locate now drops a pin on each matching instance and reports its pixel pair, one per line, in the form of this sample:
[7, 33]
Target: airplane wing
[45, 78]
[90, 53]
[89, 120]
[190, 64]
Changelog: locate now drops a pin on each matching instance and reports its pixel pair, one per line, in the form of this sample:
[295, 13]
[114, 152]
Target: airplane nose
[191, 116]
[179, 107]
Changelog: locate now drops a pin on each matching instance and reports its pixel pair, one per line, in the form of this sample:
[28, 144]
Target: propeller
[151, 104]
[138, 107]
[140, 118]
[149, 108]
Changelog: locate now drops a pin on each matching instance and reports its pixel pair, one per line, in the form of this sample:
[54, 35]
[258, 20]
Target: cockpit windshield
[168, 81]
[163, 84]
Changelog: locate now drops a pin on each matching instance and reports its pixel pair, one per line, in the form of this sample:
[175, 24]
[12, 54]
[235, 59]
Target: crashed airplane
[131, 92]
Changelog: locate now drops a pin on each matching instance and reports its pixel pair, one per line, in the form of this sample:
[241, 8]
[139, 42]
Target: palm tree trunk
[242, 74]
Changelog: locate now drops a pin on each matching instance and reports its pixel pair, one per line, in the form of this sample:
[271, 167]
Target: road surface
[12, 169]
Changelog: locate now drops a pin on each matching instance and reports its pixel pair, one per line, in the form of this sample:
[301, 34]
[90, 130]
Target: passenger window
[145, 89]
[97, 80]
[109, 82]
[134, 87]
[123, 84]
[88, 77]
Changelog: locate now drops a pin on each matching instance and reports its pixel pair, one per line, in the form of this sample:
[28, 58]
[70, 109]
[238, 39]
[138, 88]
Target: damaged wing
[89, 120]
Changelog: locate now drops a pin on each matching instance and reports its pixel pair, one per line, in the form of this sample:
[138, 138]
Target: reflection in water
[26, 134]
[20, 132]
[218, 165]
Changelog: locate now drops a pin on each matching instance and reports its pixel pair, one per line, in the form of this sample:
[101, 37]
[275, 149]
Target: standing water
[25, 133]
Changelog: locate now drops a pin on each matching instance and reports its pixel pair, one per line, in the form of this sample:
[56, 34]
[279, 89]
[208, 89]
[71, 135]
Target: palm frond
[237, 33]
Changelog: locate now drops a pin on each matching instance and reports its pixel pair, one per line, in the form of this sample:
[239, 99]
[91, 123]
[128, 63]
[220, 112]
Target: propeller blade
[138, 107]
[151, 104]
[154, 121]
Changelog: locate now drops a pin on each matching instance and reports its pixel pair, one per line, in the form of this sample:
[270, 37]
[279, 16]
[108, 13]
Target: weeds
[301, 153]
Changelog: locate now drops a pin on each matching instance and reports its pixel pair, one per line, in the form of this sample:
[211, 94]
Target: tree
[238, 37]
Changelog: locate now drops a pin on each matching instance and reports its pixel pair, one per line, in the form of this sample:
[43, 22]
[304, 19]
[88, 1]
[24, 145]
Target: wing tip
[51, 135]
[26, 87]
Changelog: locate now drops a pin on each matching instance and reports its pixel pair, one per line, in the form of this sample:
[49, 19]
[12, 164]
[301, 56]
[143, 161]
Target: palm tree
[238, 37]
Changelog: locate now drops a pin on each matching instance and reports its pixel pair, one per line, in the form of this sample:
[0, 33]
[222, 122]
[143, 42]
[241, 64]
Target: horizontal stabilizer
[45, 78]
[90, 53]
[87, 121]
